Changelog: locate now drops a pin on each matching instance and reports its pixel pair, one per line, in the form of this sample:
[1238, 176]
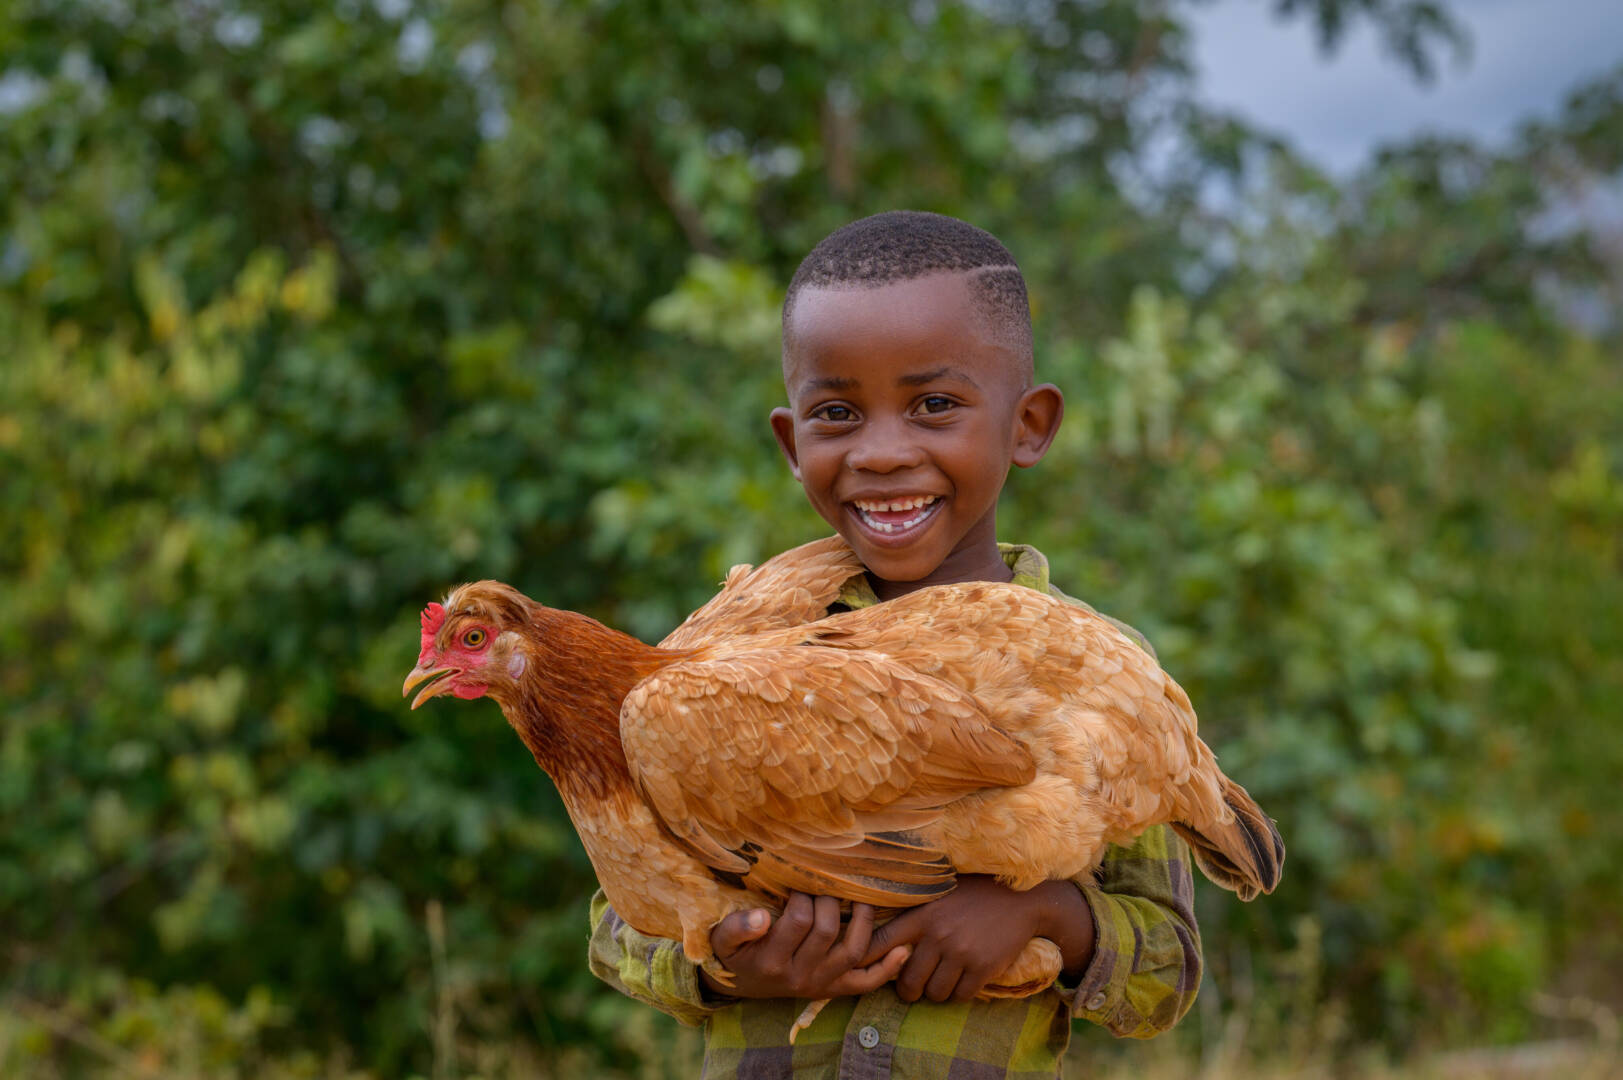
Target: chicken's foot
[804, 1020]
[718, 973]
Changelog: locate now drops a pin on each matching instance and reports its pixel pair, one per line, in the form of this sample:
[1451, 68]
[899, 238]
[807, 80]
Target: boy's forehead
[929, 320]
[915, 304]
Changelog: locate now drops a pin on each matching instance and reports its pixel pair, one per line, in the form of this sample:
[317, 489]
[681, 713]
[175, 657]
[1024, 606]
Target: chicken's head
[471, 645]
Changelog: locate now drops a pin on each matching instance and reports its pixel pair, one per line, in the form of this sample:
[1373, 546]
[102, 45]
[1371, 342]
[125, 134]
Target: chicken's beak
[437, 685]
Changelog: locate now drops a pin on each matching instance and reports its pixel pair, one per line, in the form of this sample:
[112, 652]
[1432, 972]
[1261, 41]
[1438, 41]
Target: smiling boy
[909, 393]
[907, 359]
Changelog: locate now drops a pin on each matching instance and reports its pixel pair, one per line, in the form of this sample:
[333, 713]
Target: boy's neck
[975, 564]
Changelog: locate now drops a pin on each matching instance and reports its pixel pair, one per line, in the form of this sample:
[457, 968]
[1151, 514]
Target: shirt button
[868, 1037]
[1096, 1002]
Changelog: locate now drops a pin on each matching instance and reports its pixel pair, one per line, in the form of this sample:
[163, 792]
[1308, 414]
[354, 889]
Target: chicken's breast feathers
[794, 587]
[806, 768]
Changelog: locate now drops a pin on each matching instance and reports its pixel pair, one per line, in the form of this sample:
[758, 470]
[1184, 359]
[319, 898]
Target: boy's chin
[914, 556]
[914, 562]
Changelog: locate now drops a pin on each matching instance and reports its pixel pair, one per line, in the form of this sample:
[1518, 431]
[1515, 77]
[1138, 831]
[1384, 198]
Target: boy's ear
[1036, 421]
[783, 429]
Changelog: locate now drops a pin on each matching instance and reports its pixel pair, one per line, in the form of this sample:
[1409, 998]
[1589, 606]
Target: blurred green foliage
[312, 311]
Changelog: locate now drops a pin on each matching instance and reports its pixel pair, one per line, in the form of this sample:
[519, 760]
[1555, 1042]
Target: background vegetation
[311, 311]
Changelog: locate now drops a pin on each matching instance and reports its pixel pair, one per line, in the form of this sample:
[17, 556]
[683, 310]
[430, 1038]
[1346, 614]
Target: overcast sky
[1526, 55]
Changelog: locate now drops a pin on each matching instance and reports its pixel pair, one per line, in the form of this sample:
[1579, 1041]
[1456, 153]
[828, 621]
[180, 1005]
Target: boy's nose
[885, 450]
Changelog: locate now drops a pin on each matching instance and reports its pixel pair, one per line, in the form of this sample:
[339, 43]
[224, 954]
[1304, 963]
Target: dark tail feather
[1244, 856]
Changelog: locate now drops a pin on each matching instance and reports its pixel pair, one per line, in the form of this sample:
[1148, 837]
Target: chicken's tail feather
[1246, 855]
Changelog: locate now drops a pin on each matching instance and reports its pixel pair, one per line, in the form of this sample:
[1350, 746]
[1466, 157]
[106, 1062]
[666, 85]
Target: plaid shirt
[1142, 978]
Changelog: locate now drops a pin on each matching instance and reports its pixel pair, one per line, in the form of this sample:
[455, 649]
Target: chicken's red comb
[433, 619]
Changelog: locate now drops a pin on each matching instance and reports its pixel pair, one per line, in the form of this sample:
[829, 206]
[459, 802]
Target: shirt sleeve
[649, 969]
[1146, 962]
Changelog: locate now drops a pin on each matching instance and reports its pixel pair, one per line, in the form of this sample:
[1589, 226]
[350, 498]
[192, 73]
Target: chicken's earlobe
[518, 658]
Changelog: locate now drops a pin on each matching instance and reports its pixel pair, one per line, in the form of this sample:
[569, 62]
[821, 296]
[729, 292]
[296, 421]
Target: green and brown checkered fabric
[1142, 978]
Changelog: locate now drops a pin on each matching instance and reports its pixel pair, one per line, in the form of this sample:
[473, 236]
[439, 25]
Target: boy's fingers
[739, 929]
[792, 926]
[858, 934]
[910, 983]
[820, 936]
[902, 930]
[944, 981]
[970, 982]
[861, 980]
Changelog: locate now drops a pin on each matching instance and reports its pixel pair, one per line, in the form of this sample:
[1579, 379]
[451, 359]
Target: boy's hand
[802, 954]
[965, 939]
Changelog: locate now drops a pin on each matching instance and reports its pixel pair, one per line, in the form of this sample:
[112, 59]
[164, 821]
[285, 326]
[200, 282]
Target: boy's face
[904, 415]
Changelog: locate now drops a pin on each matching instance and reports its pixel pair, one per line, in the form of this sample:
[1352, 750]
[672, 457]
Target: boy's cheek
[835, 519]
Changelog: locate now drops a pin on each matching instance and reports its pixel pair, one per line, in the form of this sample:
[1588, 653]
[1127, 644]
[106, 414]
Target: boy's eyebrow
[924, 377]
[829, 382]
[921, 378]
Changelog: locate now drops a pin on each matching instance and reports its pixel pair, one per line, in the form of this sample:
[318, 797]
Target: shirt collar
[1030, 568]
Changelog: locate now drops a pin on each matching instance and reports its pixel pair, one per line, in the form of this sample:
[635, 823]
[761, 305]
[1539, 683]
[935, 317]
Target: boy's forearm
[1063, 917]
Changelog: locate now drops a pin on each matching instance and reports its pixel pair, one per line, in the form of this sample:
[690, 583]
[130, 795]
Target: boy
[907, 358]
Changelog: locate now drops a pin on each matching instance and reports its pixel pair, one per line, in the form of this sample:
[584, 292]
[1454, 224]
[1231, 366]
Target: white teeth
[895, 505]
[868, 508]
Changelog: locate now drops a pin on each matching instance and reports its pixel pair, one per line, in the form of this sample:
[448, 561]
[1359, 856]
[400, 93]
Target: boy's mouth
[892, 516]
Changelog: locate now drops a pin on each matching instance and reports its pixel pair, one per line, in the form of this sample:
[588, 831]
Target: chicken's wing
[810, 769]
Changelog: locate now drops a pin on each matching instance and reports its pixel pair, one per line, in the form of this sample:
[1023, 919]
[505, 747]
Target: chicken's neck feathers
[566, 703]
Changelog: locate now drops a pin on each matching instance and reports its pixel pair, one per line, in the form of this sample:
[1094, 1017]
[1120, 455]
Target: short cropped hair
[900, 245]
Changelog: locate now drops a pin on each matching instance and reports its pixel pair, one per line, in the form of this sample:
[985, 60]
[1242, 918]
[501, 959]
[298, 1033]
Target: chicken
[766, 747]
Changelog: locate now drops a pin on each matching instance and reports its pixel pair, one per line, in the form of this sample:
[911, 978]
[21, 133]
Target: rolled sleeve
[1146, 963]
[650, 969]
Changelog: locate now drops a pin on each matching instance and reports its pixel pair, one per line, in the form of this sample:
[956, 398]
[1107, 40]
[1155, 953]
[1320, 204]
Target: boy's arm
[649, 969]
[1127, 934]
[1146, 963]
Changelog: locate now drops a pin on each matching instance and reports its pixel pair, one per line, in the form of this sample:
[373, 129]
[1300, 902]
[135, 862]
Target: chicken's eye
[474, 638]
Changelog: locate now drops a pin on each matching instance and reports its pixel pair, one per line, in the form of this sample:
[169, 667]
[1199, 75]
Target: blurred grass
[669, 1053]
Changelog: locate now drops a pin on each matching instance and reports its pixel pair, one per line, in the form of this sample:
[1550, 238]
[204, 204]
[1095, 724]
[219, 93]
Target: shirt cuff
[691, 989]
[1101, 994]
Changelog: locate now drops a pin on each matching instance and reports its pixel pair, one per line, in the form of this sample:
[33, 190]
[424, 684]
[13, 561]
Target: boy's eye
[837, 413]
[935, 403]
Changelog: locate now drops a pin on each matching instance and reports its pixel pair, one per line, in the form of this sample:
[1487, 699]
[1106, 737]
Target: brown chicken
[765, 746]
